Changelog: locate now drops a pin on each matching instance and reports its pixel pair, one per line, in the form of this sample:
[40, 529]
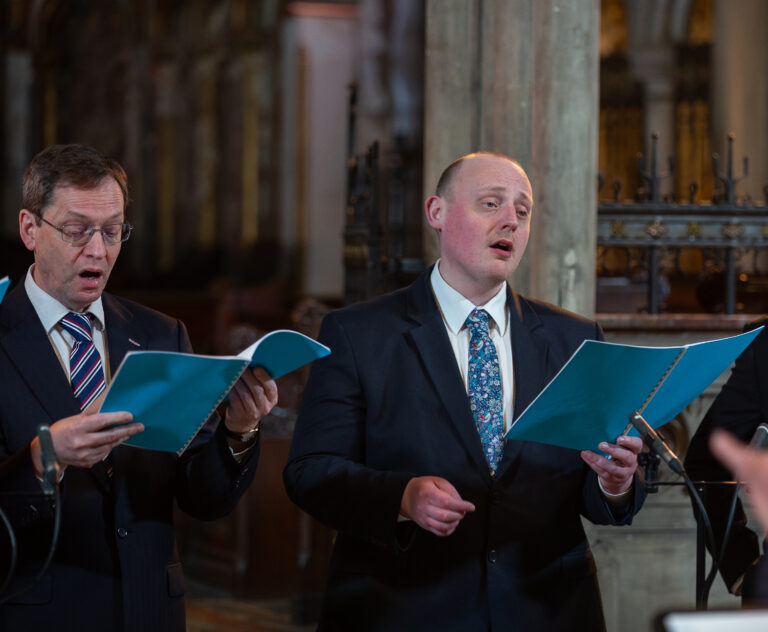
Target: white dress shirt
[50, 311]
[455, 309]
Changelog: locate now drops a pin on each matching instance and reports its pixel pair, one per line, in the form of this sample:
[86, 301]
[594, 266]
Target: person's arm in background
[750, 466]
[747, 465]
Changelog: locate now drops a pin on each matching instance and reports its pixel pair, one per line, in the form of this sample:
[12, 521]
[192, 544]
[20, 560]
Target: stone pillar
[655, 27]
[205, 78]
[521, 78]
[138, 159]
[18, 146]
[165, 226]
[452, 92]
[739, 89]
[389, 82]
[655, 69]
[317, 55]
[564, 122]
[373, 97]
[253, 70]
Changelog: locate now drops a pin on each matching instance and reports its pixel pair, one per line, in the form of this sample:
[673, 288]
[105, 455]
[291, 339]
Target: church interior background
[277, 155]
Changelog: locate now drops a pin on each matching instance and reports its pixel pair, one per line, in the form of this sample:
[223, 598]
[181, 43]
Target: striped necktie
[484, 387]
[85, 371]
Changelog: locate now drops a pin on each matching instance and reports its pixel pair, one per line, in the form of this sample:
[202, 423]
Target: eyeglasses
[80, 234]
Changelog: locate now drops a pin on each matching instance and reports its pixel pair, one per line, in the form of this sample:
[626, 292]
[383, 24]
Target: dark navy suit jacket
[116, 566]
[389, 404]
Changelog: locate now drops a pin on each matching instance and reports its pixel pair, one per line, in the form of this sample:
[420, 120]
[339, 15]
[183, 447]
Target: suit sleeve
[739, 408]
[597, 509]
[209, 481]
[326, 474]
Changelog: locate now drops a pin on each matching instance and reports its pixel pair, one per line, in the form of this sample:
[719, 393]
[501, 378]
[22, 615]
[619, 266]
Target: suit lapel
[434, 348]
[530, 357]
[530, 352]
[27, 345]
[120, 338]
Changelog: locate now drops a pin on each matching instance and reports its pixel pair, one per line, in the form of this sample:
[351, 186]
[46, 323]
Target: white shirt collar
[456, 307]
[49, 310]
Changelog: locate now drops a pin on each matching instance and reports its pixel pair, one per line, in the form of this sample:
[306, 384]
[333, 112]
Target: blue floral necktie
[484, 385]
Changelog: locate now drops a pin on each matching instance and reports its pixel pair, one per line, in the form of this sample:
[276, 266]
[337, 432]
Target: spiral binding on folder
[662, 380]
[221, 398]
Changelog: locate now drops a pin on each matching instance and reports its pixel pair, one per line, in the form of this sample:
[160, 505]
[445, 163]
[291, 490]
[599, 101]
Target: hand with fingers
[748, 465]
[85, 439]
[252, 398]
[617, 473]
[434, 504]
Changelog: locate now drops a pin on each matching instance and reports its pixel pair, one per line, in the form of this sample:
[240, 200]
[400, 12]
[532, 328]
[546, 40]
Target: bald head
[448, 177]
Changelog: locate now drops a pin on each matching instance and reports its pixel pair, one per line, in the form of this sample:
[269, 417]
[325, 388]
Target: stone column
[521, 78]
[205, 79]
[18, 78]
[564, 126]
[451, 92]
[655, 28]
[739, 89]
[314, 134]
[138, 160]
[165, 225]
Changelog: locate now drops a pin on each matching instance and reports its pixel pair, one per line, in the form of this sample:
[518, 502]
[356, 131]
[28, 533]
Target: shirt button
[122, 532]
[492, 557]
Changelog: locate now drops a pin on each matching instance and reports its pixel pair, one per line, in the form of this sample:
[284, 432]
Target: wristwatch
[243, 437]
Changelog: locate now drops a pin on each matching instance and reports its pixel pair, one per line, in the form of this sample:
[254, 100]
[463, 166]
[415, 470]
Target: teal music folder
[4, 283]
[592, 396]
[173, 394]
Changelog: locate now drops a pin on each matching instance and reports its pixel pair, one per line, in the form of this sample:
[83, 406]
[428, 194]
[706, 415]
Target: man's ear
[434, 208]
[28, 228]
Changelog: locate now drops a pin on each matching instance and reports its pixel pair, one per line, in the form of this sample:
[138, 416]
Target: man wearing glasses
[61, 338]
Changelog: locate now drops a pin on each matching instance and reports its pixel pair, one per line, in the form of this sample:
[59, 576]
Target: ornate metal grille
[684, 256]
[379, 198]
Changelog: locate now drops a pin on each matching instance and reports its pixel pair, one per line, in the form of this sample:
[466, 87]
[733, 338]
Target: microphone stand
[650, 462]
[50, 489]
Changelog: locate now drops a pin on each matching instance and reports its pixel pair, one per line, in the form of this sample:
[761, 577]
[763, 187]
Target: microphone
[656, 443]
[760, 438]
[49, 458]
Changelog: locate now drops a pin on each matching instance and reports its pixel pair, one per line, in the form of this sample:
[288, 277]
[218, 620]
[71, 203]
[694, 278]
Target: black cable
[701, 599]
[51, 551]
[656, 443]
[14, 551]
[726, 536]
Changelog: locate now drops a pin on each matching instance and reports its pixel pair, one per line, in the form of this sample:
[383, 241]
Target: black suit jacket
[739, 408]
[116, 566]
[389, 404]
[758, 592]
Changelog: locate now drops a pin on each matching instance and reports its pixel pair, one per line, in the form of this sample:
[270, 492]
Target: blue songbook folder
[592, 396]
[173, 394]
[4, 283]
